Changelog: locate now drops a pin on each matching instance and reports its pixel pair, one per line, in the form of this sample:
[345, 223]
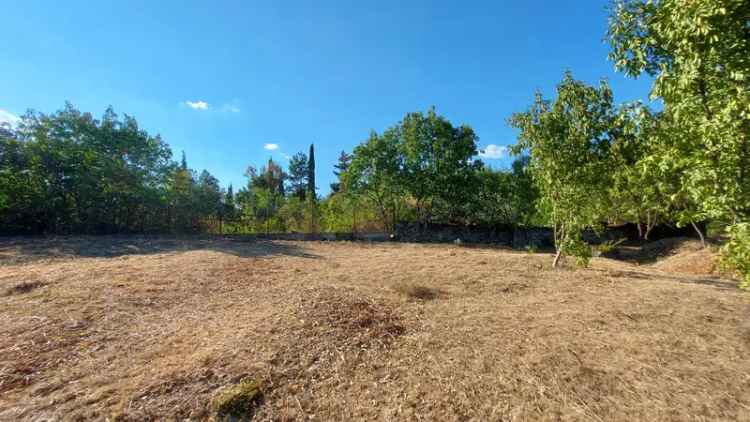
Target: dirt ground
[138, 328]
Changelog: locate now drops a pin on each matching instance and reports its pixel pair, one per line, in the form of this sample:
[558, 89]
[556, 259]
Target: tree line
[69, 172]
[582, 160]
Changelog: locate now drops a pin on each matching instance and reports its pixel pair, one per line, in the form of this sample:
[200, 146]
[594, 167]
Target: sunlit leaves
[569, 142]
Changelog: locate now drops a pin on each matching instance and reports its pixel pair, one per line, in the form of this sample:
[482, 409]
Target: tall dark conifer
[311, 173]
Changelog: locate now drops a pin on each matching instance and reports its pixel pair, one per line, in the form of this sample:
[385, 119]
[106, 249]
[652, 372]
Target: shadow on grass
[649, 252]
[29, 249]
[716, 282]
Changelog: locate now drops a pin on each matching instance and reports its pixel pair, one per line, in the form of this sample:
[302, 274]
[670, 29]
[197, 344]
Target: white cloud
[493, 152]
[9, 118]
[197, 105]
[271, 147]
[203, 105]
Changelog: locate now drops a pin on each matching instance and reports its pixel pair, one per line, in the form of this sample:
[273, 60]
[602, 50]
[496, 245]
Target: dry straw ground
[156, 329]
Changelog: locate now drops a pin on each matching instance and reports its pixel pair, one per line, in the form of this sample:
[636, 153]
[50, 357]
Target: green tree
[262, 199]
[524, 194]
[697, 52]
[311, 186]
[736, 252]
[375, 173]
[230, 205]
[568, 140]
[491, 205]
[180, 194]
[298, 175]
[271, 177]
[292, 214]
[209, 196]
[312, 197]
[86, 175]
[340, 167]
[437, 162]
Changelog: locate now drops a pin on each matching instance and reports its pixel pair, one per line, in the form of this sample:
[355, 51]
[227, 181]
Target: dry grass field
[137, 328]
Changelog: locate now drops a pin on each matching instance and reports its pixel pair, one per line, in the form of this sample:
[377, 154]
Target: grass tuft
[238, 401]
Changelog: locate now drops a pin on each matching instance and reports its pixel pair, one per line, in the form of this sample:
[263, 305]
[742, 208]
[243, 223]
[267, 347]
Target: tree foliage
[423, 161]
[298, 175]
[736, 252]
[341, 166]
[699, 54]
[569, 142]
[375, 173]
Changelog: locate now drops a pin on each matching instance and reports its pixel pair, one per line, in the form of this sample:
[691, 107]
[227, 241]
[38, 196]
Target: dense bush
[736, 252]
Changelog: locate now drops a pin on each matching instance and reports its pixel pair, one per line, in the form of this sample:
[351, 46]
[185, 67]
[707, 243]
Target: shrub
[575, 246]
[609, 245]
[735, 254]
[238, 401]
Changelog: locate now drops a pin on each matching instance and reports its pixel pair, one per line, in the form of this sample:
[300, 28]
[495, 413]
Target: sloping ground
[696, 262]
[679, 255]
[154, 329]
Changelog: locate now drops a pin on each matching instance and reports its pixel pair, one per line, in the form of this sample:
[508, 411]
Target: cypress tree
[311, 173]
[311, 197]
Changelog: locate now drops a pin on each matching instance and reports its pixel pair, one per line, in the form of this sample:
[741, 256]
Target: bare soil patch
[141, 328]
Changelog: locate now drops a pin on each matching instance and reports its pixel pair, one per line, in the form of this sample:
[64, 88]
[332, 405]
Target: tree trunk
[651, 223]
[557, 258]
[700, 234]
[559, 234]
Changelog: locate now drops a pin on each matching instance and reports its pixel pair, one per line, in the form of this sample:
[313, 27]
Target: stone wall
[329, 236]
[534, 237]
[442, 233]
[517, 238]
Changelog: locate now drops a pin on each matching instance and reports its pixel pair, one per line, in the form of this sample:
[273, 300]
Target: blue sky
[226, 80]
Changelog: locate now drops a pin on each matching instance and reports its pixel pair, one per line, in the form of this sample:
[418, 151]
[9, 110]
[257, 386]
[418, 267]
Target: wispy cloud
[493, 152]
[197, 105]
[230, 108]
[9, 118]
[271, 147]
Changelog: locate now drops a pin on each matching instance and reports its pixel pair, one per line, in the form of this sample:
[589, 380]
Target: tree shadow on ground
[29, 249]
[649, 252]
[716, 282]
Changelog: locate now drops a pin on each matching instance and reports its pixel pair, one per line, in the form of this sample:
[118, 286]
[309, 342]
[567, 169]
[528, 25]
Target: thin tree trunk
[557, 258]
[700, 234]
[559, 234]
[650, 226]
